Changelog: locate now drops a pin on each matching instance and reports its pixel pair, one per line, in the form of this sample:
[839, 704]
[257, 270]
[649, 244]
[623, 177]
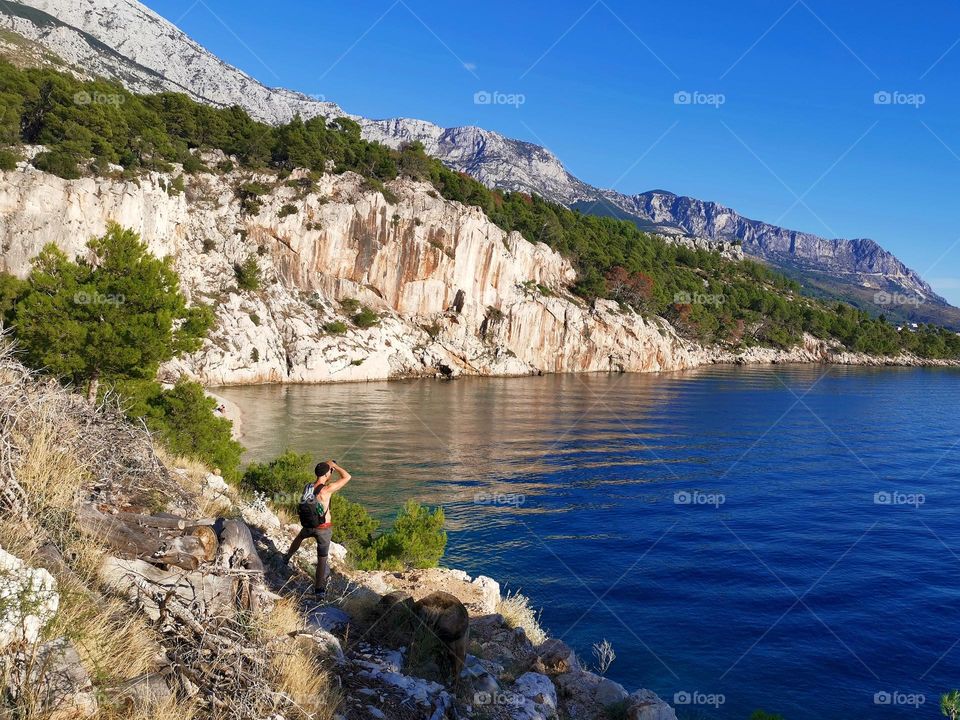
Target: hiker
[314, 512]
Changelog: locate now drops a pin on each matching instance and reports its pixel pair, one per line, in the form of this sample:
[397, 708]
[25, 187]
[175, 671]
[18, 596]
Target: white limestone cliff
[456, 294]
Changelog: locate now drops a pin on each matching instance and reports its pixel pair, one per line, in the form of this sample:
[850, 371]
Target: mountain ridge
[95, 35]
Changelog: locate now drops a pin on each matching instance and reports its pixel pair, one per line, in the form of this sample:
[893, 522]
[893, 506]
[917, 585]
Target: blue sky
[783, 123]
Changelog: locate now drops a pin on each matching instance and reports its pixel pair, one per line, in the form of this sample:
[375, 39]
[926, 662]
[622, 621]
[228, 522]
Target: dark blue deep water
[786, 537]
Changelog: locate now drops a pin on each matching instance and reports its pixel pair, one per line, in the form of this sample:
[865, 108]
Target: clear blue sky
[798, 139]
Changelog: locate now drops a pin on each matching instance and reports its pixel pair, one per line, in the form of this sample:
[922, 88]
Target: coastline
[755, 356]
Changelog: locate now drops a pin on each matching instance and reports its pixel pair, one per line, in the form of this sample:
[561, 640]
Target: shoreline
[731, 361]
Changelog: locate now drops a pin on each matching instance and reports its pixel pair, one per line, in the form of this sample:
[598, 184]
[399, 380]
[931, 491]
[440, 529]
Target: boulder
[646, 705]
[557, 656]
[490, 593]
[538, 689]
[28, 600]
[609, 692]
[328, 618]
[586, 694]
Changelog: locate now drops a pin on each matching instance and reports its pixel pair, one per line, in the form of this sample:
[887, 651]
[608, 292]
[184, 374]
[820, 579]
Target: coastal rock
[540, 690]
[490, 590]
[28, 600]
[557, 656]
[646, 705]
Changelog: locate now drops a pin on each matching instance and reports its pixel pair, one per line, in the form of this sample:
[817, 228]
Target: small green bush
[335, 328]
[176, 186]
[350, 305]
[417, 539]
[287, 210]
[8, 160]
[248, 274]
[366, 318]
[209, 245]
[281, 479]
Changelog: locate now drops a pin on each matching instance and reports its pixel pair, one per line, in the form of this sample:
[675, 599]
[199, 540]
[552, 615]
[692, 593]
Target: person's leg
[295, 545]
[323, 567]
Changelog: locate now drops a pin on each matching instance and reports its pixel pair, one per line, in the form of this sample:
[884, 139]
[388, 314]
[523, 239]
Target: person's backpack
[311, 512]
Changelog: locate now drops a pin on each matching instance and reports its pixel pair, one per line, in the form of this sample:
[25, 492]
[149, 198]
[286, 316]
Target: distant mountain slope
[125, 40]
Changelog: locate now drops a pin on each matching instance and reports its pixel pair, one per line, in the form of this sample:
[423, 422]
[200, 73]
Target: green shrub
[335, 328]
[287, 210]
[281, 479]
[248, 274]
[8, 160]
[366, 318]
[209, 245]
[249, 195]
[176, 186]
[183, 418]
[350, 305]
[61, 163]
[416, 540]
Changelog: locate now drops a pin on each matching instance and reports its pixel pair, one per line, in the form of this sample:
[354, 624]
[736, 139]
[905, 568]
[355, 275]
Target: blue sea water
[785, 538]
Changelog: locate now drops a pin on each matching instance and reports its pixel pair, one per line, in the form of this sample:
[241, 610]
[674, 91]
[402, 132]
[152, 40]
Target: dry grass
[172, 708]
[192, 475]
[296, 665]
[517, 612]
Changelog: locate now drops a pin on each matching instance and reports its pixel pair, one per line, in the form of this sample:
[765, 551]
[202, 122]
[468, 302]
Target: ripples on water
[799, 593]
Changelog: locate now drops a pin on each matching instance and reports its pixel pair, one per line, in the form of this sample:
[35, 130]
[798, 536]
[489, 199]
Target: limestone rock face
[455, 293]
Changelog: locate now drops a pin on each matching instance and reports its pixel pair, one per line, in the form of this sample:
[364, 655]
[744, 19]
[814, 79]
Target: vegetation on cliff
[707, 297]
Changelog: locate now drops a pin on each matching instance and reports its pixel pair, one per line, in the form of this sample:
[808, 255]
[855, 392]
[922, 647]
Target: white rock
[646, 705]
[609, 692]
[491, 593]
[539, 689]
[28, 600]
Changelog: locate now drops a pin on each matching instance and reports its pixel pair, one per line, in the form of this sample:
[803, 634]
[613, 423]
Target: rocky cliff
[455, 293]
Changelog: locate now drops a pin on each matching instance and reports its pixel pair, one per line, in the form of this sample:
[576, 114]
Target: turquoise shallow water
[784, 537]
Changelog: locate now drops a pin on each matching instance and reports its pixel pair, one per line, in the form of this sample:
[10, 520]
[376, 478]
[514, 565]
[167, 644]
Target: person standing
[316, 519]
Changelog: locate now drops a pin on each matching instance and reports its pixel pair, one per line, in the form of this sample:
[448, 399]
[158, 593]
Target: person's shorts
[323, 536]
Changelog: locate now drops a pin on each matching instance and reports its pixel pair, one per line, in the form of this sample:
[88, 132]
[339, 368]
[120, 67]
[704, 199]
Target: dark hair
[321, 469]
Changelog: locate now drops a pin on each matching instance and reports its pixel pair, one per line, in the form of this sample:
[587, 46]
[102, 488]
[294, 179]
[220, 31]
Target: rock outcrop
[455, 293]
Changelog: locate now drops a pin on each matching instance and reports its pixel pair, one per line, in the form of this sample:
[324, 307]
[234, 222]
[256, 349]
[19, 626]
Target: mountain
[124, 40]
